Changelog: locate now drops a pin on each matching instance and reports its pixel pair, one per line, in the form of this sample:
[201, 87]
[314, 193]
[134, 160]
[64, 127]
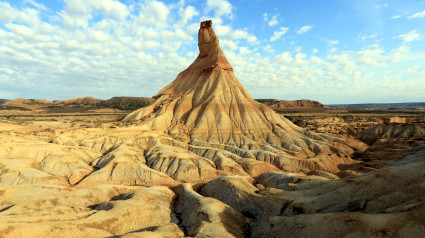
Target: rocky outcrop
[67, 214]
[207, 217]
[207, 106]
[384, 133]
[335, 225]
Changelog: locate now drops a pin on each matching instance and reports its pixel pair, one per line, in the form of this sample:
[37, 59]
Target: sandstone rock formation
[386, 202]
[206, 106]
[389, 142]
[204, 160]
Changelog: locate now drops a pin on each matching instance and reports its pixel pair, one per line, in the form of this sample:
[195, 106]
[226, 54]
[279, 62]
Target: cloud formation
[411, 36]
[278, 34]
[108, 48]
[272, 21]
[418, 15]
[304, 29]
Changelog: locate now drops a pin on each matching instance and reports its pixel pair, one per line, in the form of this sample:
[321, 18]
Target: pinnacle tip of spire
[207, 23]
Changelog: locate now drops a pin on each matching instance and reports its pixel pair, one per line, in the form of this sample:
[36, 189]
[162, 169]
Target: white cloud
[129, 53]
[366, 37]
[399, 54]
[269, 49]
[109, 8]
[98, 35]
[372, 57]
[28, 15]
[154, 13]
[187, 14]
[36, 5]
[242, 34]
[304, 29]
[332, 50]
[103, 43]
[395, 17]
[409, 37]
[244, 50]
[77, 13]
[8, 13]
[265, 17]
[220, 7]
[278, 34]
[273, 21]
[227, 32]
[418, 15]
[380, 6]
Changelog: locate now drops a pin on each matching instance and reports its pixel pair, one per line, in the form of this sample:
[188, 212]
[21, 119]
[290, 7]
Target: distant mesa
[303, 105]
[126, 103]
[82, 104]
[80, 101]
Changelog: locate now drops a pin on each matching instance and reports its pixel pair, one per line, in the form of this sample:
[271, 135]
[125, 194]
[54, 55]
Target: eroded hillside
[204, 159]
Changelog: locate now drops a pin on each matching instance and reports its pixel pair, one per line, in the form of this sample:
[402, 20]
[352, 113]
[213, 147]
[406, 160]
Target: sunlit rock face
[204, 160]
[208, 109]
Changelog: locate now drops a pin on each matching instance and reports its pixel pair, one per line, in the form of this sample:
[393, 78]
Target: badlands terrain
[202, 158]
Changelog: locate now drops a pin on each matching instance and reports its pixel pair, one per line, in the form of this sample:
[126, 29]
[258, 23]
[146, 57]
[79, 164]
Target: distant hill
[3, 101]
[80, 101]
[20, 101]
[82, 104]
[85, 104]
[125, 103]
[388, 106]
[302, 105]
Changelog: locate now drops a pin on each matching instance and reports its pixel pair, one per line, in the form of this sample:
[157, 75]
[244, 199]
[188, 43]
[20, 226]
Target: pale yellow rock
[168, 231]
[336, 225]
[241, 195]
[392, 189]
[133, 211]
[43, 162]
[208, 217]
[49, 230]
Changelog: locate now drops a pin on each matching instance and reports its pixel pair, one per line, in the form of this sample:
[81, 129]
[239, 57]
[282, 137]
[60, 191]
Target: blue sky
[341, 51]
